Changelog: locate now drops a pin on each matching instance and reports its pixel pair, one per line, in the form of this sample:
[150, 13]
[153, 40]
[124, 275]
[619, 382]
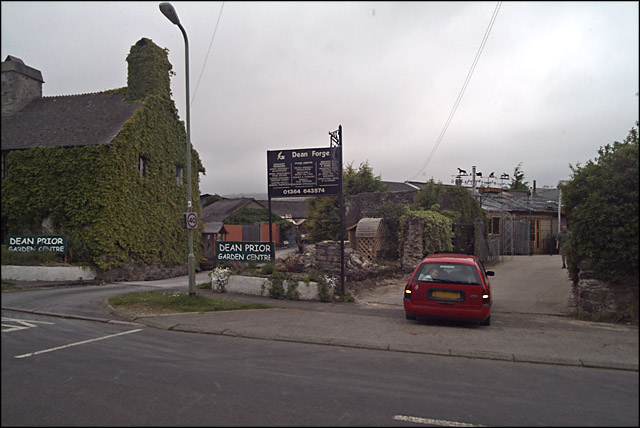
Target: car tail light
[486, 297]
[407, 291]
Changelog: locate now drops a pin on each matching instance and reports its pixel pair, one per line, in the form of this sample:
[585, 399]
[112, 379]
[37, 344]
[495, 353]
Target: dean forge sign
[303, 172]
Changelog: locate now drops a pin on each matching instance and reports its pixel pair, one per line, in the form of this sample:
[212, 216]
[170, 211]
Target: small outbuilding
[369, 235]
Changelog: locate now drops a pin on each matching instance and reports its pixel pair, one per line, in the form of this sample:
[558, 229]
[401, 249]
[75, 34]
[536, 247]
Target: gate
[487, 251]
[515, 236]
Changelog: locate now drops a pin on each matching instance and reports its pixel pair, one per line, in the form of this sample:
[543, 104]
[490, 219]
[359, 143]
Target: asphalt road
[72, 372]
[312, 363]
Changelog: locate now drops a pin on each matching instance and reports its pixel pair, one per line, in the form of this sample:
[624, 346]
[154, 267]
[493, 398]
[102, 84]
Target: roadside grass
[8, 285]
[177, 302]
[204, 286]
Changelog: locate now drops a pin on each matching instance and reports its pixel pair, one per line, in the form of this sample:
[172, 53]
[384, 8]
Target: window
[179, 173]
[494, 226]
[143, 166]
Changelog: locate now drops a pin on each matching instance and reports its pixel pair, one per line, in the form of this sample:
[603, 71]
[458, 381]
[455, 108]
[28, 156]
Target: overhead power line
[207, 57]
[460, 95]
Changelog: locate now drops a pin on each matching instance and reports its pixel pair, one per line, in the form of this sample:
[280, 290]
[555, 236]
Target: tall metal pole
[336, 138]
[560, 184]
[341, 218]
[168, 11]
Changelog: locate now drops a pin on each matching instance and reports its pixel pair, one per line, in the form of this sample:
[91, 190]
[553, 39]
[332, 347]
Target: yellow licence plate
[445, 294]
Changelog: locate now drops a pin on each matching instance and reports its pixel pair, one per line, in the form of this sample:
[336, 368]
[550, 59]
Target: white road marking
[23, 324]
[75, 344]
[438, 422]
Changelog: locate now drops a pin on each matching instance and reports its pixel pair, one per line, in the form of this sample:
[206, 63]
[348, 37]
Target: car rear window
[448, 272]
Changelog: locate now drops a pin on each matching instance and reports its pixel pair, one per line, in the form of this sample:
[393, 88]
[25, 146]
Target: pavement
[531, 322]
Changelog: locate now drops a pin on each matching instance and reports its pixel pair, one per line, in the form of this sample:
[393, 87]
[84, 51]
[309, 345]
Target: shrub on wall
[437, 231]
[458, 204]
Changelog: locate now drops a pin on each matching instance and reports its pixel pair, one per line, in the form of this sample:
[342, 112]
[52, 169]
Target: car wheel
[410, 316]
[486, 321]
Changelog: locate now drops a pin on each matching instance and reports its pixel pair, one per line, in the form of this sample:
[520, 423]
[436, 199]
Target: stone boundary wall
[136, 272]
[327, 256]
[413, 246]
[599, 297]
[356, 265]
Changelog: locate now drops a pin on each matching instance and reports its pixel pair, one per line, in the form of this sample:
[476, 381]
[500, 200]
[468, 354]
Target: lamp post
[560, 184]
[168, 11]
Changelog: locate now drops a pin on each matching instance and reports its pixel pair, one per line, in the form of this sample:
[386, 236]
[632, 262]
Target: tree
[362, 180]
[601, 203]
[324, 211]
[430, 194]
[517, 183]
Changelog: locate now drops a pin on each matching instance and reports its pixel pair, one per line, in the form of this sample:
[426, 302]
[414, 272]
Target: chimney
[149, 70]
[21, 84]
[534, 187]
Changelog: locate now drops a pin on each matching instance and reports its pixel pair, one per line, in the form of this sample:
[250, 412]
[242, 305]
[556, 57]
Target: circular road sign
[192, 220]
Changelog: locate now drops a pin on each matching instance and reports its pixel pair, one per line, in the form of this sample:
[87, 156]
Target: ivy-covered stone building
[107, 169]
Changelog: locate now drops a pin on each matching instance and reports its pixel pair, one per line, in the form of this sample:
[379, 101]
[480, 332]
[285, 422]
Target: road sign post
[308, 172]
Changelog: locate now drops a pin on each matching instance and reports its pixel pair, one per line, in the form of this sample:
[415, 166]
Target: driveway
[522, 284]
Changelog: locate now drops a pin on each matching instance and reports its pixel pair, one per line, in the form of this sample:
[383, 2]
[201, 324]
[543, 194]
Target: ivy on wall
[95, 194]
[459, 205]
[437, 230]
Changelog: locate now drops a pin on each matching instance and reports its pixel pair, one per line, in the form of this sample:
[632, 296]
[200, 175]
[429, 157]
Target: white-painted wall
[47, 273]
[254, 285]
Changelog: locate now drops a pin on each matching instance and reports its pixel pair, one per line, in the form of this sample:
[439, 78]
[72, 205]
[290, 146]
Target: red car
[451, 286]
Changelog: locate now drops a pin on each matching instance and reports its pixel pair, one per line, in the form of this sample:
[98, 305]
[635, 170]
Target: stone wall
[136, 272]
[600, 299]
[356, 266]
[413, 246]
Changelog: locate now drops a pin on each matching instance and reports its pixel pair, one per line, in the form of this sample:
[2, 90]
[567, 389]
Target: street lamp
[560, 184]
[168, 11]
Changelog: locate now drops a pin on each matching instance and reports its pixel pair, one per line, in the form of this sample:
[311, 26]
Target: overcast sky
[554, 81]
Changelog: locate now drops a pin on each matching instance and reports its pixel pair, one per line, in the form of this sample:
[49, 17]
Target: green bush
[458, 204]
[390, 212]
[277, 289]
[601, 203]
[437, 232]
[267, 269]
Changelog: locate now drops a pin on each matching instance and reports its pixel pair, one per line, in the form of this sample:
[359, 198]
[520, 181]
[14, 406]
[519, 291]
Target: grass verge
[176, 302]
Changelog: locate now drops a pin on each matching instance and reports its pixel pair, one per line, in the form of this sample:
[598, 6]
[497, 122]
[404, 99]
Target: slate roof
[215, 227]
[517, 202]
[296, 209]
[67, 121]
[220, 210]
[394, 186]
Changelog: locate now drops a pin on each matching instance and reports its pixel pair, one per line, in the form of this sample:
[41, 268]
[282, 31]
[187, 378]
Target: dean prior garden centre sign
[33, 243]
[244, 252]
